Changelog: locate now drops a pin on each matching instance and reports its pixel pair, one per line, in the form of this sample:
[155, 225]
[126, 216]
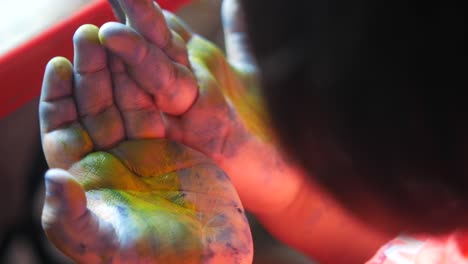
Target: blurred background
[21, 186]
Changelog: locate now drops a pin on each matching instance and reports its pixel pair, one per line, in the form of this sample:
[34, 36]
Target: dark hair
[367, 96]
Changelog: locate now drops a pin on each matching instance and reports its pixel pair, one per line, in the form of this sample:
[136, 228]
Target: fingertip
[107, 28]
[123, 41]
[88, 33]
[56, 106]
[62, 67]
[64, 193]
[146, 17]
[90, 55]
[57, 175]
[53, 183]
[58, 180]
[57, 76]
[110, 30]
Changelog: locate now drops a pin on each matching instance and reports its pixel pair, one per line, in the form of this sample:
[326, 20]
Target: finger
[118, 12]
[172, 85]
[147, 18]
[64, 140]
[235, 35]
[140, 115]
[70, 225]
[178, 25]
[57, 93]
[93, 89]
[181, 35]
[206, 119]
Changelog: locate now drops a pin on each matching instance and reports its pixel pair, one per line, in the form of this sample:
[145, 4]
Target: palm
[168, 203]
[128, 196]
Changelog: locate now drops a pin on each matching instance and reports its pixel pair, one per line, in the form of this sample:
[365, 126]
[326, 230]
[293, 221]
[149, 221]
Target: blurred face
[311, 74]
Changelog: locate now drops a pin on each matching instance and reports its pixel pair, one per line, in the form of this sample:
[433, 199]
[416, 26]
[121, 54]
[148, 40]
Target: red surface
[22, 68]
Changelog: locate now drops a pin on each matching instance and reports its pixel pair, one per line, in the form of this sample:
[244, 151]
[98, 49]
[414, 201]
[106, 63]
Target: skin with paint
[156, 201]
[124, 193]
[104, 119]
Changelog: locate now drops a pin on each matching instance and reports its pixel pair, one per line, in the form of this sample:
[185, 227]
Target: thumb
[64, 196]
[235, 35]
[70, 226]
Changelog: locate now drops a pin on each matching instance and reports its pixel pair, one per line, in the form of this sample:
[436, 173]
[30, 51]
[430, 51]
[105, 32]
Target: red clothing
[450, 249]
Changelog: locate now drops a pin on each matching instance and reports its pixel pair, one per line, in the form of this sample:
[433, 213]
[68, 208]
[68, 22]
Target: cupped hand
[226, 120]
[119, 192]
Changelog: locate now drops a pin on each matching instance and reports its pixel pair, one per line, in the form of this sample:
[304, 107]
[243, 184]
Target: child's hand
[224, 118]
[121, 193]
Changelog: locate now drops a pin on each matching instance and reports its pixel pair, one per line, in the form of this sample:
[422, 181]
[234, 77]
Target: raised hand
[226, 120]
[120, 193]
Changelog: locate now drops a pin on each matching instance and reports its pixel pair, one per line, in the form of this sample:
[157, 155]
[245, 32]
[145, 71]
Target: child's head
[368, 96]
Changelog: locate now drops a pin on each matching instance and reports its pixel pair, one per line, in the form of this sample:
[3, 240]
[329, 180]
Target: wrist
[265, 181]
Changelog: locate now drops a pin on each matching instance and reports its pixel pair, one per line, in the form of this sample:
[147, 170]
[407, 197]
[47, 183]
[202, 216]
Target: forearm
[320, 228]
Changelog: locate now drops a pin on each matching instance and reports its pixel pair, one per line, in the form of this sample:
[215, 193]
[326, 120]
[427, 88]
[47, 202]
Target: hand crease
[90, 71]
